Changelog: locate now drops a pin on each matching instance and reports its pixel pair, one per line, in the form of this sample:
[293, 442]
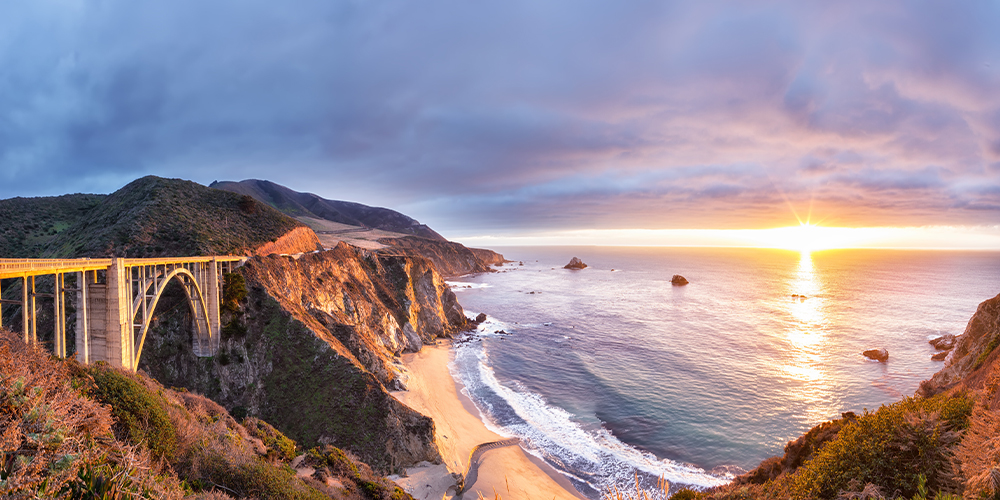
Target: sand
[509, 471]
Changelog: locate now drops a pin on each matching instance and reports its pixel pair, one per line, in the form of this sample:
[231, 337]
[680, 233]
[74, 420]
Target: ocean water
[611, 373]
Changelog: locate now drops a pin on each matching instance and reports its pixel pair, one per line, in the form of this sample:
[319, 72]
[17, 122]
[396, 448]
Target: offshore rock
[480, 317]
[880, 355]
[944, 342]
[575, 263]
[678, 280]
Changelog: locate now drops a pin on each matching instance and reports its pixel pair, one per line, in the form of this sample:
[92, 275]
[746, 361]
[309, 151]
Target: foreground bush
[140, 414]
[57, 443]
[891, 448]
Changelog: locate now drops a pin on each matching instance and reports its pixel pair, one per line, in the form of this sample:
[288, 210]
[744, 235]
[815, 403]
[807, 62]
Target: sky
[523, 118]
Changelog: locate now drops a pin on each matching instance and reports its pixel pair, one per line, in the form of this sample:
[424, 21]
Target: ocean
[611, 373]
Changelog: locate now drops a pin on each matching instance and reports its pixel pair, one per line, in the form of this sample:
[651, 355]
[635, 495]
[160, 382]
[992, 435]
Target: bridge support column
[82, 330]
[25, 312]
[118, 325]
[213, 304]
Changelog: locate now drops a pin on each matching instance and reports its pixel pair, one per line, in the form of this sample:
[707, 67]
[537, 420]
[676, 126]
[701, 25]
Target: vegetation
[330, 461]
[73, 431]
[234, 291]
[278, 445]
[994, 342]
[56, 442]
[903, 450]
[140, 414]
[892, 448]
[28, 225]
[149, 217]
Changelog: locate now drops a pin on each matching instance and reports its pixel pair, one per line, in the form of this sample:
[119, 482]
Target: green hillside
[28, 225]
[150, 217]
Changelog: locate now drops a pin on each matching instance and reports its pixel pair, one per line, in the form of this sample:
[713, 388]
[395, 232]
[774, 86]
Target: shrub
[234, 291]
[685, 494]
[140, 414]
[278, 445]
[890, 448]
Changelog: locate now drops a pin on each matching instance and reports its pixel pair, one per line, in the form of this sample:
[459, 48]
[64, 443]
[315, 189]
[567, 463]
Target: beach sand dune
[507, 471]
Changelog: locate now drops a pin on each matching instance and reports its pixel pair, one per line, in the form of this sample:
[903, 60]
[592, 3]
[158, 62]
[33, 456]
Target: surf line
[472, 473]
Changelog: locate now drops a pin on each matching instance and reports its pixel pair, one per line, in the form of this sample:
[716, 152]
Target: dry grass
[56, 442]
[978, 455]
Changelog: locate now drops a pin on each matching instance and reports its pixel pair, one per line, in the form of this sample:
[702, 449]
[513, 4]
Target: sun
[807, 237]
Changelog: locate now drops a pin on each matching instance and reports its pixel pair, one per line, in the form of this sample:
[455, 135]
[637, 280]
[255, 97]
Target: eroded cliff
[449, 258]
[974, 352]
[312, 347]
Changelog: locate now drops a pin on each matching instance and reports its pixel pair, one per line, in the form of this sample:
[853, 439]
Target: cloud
[519, 114]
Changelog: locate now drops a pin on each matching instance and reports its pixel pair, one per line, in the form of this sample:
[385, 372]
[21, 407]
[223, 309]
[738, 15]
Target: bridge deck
[22, 268]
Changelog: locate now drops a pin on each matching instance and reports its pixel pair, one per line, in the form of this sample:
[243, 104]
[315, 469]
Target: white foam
[551, 432]
[461, 286]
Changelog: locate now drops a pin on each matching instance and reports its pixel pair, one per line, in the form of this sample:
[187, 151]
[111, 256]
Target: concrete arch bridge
[115, 300]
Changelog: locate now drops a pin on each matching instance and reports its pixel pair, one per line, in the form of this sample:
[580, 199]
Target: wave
[461, 286]
[594, 458]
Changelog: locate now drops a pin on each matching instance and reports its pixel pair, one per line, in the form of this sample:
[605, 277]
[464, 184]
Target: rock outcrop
[298, 240]
[974, 349]
[449, 258]
[575, 263]
[678, 280]
[880, 355]
[944, 342]
[313, 348]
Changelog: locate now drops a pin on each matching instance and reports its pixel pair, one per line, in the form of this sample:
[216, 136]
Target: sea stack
[880, 355]
[575, 263]
[678, 280]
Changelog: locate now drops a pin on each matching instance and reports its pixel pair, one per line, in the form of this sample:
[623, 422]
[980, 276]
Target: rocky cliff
[298, 240]
[973, 357]
[313, 347]
[449, 258]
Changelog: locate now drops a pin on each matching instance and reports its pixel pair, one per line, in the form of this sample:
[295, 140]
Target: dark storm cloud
[521, 114]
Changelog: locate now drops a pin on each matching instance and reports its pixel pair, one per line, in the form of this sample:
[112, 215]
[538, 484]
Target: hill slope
[297, 204]
[149, 217]
[28, 225]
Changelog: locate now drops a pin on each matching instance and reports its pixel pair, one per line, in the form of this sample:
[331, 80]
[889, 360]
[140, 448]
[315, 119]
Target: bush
[890, 448]
[685, 494]
[140, 414]
[278, 445]
[234, 291]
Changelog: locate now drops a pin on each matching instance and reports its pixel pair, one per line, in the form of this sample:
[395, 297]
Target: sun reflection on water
[806, 334]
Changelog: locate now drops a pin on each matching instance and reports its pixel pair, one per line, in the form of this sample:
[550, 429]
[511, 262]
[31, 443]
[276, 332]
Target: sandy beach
[507, 471]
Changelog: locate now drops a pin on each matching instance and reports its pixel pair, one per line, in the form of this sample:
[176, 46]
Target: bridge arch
[145, 304]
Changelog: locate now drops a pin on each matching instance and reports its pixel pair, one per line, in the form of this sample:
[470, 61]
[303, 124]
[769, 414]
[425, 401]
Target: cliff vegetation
[72, 431]
[312, 345]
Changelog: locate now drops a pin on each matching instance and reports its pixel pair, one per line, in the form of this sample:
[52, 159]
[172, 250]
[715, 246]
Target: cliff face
[449, 258]
[312, 348]
[975, 351]
[298, 240]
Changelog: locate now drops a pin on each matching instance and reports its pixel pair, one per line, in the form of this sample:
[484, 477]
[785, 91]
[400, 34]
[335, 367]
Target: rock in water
[481, 317]
[880, 355]
[575, 263]
[944, 342]
[939, 356]
[678, 280]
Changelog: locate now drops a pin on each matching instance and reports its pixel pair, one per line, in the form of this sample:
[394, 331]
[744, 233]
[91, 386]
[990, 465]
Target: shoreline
[509, 472]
